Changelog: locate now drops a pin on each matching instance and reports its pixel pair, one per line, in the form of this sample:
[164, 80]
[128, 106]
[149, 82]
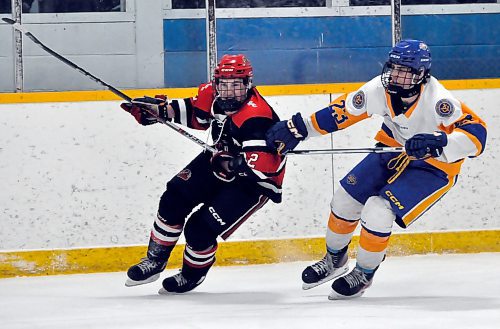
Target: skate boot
[148, 270]
[331, 266]
[179, 284]
[353, 284]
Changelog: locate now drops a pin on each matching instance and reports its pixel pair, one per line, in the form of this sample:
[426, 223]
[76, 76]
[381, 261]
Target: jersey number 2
[253, 157]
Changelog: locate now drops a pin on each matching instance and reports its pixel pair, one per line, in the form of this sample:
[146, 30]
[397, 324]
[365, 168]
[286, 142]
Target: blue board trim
[298, 50]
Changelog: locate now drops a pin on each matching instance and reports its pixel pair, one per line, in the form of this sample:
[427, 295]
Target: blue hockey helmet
[411, 53]
[408, 67]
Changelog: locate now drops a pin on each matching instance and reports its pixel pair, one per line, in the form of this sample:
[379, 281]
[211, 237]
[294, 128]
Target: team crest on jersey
[352, 180]
[252, 104]
[185, 174]
[444, 108]
[358, 100]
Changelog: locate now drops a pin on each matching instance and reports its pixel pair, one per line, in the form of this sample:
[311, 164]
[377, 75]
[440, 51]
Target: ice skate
[179, 284]
[352, 285]
[148, 270]
[331, 266]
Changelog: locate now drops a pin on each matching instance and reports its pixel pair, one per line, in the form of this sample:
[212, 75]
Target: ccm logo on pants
[216, 216]
[394, 200]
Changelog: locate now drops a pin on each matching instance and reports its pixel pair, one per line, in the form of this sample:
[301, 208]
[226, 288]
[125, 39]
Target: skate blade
[132, 283]
[162, 291]
[336, 296]
[335, 274]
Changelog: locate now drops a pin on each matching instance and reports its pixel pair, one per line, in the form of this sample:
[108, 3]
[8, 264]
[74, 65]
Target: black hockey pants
[224, 207]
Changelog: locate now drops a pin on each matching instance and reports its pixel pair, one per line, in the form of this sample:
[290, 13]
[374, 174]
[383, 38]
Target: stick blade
[9, 20]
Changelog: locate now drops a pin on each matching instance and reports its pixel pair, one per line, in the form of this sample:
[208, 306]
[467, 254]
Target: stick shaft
[181, 131]
[348, 151]
[115, 91]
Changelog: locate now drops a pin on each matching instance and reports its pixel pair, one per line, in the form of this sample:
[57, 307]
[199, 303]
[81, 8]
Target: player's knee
[377, 215]
[199, 235]
[173, 206]
[167, 209]
[345, 206]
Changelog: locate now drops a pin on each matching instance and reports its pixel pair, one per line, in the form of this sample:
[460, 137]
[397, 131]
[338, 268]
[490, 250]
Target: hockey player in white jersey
[438, 133]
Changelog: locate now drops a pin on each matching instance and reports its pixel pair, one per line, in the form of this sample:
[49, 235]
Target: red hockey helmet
[234, 66]
[232, 82]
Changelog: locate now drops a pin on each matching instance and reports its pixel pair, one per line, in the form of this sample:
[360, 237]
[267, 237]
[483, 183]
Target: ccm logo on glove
[284, 136]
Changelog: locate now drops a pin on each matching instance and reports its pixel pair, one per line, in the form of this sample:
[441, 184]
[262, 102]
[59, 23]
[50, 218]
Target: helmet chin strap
[407, 92]
[229, 106]
[402, 92]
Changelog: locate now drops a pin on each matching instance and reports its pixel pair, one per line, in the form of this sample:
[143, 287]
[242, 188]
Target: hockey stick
[181, 131]
[115, 91]
[349, 151]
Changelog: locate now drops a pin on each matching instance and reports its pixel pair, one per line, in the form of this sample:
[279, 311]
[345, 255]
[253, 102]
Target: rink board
[81, 256]
[115, 259]
[303, 89]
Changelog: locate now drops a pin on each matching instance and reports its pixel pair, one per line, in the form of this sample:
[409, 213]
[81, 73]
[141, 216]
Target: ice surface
[431, 291]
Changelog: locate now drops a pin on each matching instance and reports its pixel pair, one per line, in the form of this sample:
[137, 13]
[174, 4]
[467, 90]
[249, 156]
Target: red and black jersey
[241, 133]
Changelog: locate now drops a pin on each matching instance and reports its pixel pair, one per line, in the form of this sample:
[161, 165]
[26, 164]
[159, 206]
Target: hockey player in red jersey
[438, 132]
[231, 184]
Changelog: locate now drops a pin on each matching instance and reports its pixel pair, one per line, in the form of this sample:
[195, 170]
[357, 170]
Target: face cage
[403, 80]
[230, 96]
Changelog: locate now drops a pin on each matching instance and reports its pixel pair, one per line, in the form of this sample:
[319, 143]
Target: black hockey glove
[140, 115]
[224, 165]
[422, 145]
[156, 106]
[285, 135]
